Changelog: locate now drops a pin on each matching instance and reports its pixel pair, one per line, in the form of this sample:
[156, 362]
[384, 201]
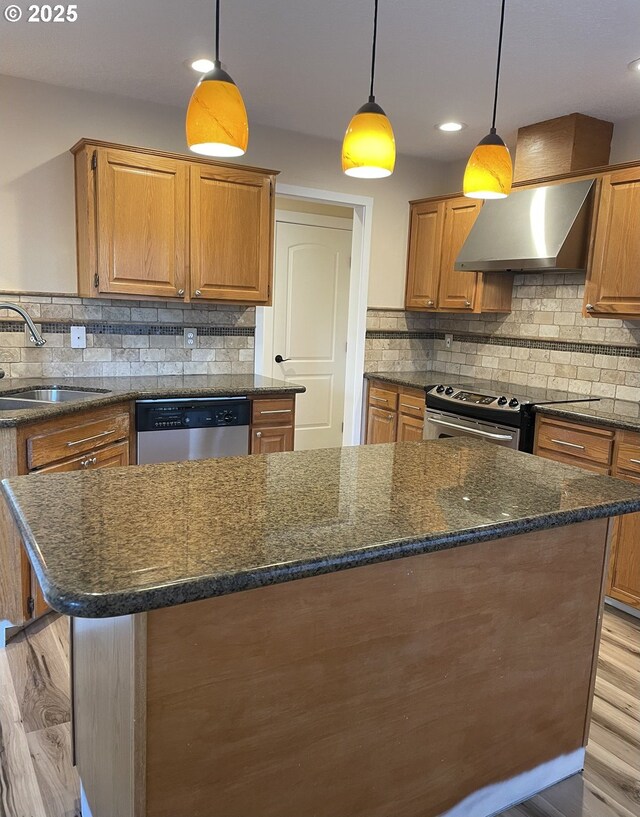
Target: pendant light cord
[495, 98]
[373, 49]
[217, 31]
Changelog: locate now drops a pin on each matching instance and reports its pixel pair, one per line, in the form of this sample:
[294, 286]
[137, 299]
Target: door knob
[280, 359]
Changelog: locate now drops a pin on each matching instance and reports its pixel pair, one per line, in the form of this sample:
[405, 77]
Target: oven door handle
[471, 430]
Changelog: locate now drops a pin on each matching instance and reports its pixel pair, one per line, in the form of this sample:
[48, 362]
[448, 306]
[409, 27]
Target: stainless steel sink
[56, 395]
[11, 404]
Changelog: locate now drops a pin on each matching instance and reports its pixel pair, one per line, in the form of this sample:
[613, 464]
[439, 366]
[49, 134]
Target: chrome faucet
[37, 337]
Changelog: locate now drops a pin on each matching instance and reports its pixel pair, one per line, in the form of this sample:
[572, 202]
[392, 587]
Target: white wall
[37, 225]
[625, 145]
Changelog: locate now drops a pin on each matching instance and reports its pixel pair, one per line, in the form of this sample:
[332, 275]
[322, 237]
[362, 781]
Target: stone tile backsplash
[126, 338]
[548, 344]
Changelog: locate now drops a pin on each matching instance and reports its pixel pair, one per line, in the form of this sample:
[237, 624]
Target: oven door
[440, 424]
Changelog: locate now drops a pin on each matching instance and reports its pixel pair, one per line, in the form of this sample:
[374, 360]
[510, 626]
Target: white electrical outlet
[448, 340]
[190, 338]
[78, 337]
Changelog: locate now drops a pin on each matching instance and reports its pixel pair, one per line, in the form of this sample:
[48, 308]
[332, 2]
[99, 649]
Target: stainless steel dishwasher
[191, 429]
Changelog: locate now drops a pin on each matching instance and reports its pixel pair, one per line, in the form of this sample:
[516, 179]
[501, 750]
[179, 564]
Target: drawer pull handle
[88, 439]
[276, 411]
[635, 462]
[409, 406]
[569, 445]
[379, 399]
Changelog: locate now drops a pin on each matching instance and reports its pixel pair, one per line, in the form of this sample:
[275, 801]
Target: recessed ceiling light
[202, 66]
[451, 127]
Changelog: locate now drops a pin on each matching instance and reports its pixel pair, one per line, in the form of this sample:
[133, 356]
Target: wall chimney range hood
[542, 229]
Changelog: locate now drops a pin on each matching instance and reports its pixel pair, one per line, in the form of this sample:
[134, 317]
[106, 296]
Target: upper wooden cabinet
[437, 231]
[230, 256]
[613, 283]
[161, 225]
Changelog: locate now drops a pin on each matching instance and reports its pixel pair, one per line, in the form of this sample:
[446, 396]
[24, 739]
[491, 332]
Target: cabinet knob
[589, 307]
[198, 293]
[429, 303]
[181, 292]
[258, 433]
[467, 304]
[389, 416]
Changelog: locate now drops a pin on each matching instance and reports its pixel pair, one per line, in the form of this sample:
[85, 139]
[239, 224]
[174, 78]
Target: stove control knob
[513, 403]
[502, 400]
[228, 417]
[449, 390]
[186, 421]
[439, 389]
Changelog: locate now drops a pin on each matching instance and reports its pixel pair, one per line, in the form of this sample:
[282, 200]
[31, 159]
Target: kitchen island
[228, 662]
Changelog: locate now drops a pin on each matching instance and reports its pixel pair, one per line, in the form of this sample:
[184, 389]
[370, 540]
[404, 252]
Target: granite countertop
[125, 540]
[611, 413]
[119, 389]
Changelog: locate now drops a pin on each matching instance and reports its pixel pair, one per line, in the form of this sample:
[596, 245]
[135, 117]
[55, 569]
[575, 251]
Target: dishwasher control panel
[168, 415]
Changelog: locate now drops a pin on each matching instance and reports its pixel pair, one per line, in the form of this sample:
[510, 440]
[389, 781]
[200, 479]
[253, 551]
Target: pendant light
[489, 172]
[369, 147]
[217, 122]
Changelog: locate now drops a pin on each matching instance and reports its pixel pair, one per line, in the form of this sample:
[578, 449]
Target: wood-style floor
[38, 780]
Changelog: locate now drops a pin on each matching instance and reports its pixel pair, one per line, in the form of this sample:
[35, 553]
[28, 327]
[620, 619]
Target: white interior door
[310, 325]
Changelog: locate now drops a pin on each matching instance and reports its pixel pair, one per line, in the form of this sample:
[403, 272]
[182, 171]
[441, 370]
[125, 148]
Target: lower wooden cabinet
[410, 429]
[395, 414]
[382, 425]
[271, 440]
[604, 451]
[272, 425]
[98, 438]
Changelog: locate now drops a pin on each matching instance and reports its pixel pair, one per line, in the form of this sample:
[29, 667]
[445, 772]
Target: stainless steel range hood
[537, 230]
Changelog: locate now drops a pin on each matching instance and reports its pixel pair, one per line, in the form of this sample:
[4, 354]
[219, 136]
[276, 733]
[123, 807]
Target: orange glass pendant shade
[369, 146]
[217, 123]
[489, 171]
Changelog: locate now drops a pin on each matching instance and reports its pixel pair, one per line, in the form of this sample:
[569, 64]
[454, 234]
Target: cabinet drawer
[272, 412]
[412, 404]
[69, 442]
[574, 441]
[112, 456]
[383, 398]
[627, 457]
[556, 456]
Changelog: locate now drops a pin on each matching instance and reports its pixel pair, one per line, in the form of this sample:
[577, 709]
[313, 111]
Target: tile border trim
[101, 328]
[613, 350]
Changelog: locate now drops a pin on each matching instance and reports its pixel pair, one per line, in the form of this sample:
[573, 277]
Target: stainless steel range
[500, 417]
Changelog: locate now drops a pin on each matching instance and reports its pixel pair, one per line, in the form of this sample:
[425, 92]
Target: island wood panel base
[400, 688]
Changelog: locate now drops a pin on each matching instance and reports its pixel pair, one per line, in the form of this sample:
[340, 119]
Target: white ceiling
[303, 65]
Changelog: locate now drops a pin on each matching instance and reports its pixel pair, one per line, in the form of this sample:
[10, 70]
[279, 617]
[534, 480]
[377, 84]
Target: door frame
[358, 296]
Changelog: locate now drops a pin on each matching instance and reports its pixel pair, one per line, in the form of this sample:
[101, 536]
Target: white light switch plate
[78, 337]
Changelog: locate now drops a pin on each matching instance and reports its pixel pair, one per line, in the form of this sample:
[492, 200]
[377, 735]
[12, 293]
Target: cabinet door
[381, 425]
[613, 283]
[410, 429]
[624, 573]
[271, 440]
[231, 235]
[423, 266]
[113, 456]
[457, 290]
[141, 216]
